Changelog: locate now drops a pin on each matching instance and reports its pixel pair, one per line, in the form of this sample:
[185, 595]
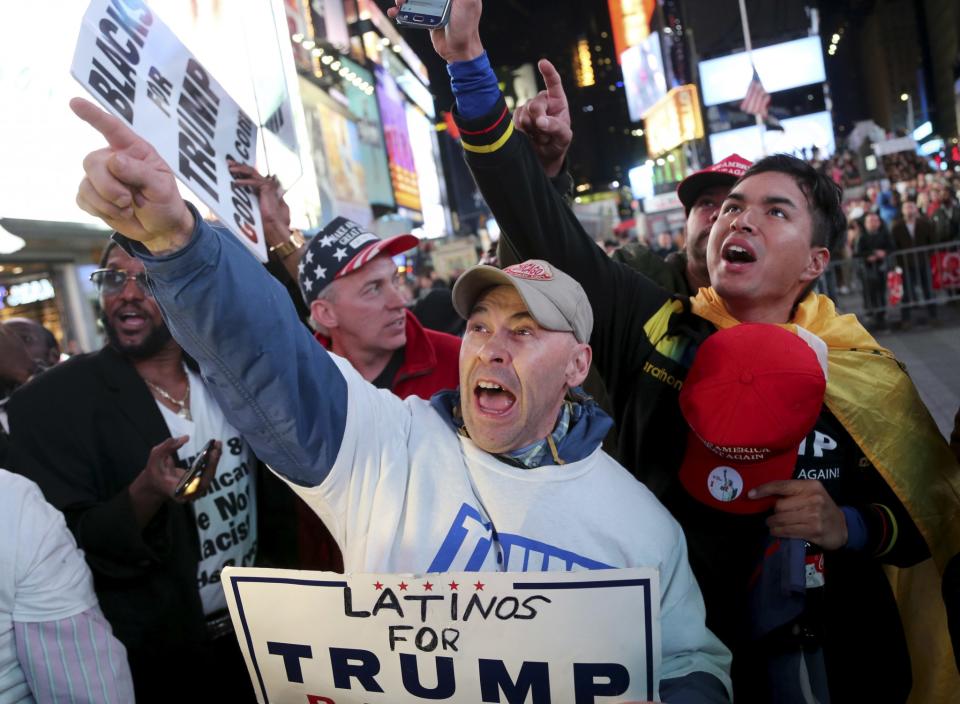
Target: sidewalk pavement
[932, 358]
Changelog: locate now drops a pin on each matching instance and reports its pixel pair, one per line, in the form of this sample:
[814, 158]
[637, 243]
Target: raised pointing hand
[128, 185]
[546, 120]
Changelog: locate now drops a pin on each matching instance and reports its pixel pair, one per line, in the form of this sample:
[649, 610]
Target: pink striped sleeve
[74, 659]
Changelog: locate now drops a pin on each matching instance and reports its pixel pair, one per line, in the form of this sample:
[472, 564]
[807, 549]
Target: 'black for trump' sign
[136, 68]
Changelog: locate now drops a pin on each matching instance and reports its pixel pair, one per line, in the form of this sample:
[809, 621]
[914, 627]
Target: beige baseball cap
[553, 298]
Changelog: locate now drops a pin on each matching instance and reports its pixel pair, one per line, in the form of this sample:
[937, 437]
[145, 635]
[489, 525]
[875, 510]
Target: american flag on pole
[757, 100]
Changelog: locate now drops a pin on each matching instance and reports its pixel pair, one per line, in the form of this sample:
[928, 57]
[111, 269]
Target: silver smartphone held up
[426, 14]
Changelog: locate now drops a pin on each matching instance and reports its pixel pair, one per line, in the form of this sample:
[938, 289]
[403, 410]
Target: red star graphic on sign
[403, 586]
[453, 586]
[427, 587]
[478, 586]
[377, 585]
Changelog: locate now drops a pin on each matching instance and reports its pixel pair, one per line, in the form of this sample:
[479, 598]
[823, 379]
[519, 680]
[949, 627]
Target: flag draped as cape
[871, 394]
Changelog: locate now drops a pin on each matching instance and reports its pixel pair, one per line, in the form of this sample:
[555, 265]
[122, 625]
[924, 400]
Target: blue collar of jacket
[587, 429]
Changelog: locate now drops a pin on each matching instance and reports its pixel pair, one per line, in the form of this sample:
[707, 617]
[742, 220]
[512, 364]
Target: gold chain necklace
[183, 410]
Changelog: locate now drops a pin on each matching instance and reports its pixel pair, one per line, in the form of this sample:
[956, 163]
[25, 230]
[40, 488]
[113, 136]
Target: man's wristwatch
[288, 246]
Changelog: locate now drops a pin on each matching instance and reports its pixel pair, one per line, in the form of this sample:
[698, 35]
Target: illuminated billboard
[643, 77]
[373, 151]
[799, 133]
[389, 39]
[411, 86]
[336, 157]
[641, 180]
[329, 22]
[675, 119]
[393, 117]
[299, 27]
[630, 20]
[425, 157]
[781, 66]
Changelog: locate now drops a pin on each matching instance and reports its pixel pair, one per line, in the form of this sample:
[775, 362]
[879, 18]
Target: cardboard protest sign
[136, 68]
[452, 258]
[325, 638]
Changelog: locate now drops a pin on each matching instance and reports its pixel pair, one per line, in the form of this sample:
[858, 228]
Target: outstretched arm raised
[274, 383]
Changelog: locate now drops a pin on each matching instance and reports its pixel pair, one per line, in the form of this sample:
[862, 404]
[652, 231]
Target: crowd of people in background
[887, 220]
[841, 167]
[861, 262]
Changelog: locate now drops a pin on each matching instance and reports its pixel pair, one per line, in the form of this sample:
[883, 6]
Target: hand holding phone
[425, 14]
[458, 34]
[193, 479]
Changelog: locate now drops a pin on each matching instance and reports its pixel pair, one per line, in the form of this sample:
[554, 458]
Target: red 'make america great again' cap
[752, 395]
[724, 173]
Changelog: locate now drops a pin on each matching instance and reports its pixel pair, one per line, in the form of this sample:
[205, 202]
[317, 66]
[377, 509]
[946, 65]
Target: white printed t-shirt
[226, 514]
[408, 494]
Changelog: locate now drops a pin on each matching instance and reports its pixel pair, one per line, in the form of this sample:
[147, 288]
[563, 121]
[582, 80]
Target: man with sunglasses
[103, 435]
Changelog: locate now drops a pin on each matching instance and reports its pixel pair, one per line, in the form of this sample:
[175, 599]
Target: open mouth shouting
[493, 399]
[130, 321]
[737, 254]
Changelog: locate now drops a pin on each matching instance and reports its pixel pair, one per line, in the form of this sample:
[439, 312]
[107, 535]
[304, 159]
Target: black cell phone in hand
[190, 481]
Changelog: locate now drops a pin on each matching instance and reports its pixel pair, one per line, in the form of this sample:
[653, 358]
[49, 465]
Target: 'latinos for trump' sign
[324, 638]
[135, 67]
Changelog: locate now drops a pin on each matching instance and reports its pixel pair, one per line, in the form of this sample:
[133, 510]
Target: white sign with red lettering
[136, 68]
[325, 638]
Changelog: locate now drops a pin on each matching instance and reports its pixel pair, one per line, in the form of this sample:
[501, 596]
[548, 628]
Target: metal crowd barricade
[908, 284]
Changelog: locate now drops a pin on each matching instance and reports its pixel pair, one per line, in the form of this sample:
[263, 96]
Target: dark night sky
[520, 31]
[513, 32]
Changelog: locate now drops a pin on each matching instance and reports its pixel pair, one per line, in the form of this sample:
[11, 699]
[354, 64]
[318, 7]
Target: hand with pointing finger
[546, 121]
[129, 187]
[806, 511]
